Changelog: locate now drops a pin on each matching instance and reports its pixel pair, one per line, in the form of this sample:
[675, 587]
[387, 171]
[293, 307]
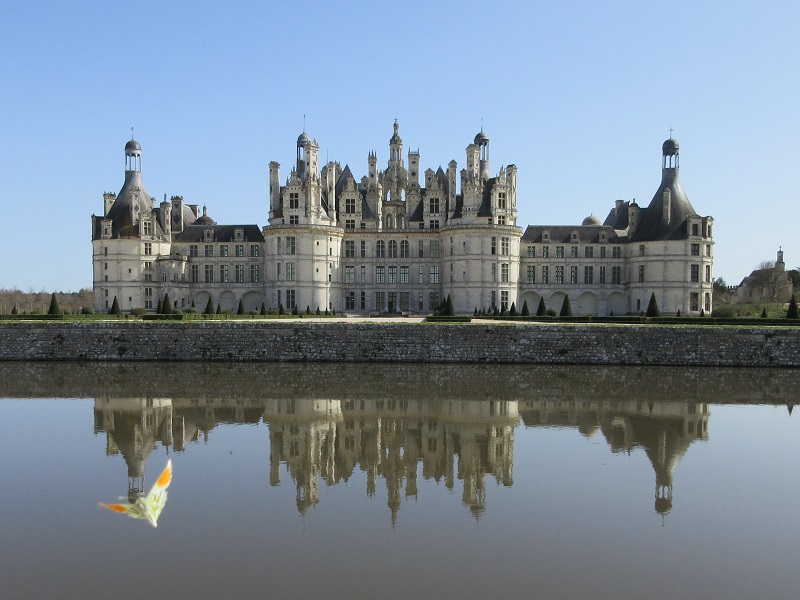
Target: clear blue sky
[579, 95]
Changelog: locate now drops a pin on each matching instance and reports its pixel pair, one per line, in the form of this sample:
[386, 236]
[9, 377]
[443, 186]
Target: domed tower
[396, 147]
[133, 156]
[482, 142]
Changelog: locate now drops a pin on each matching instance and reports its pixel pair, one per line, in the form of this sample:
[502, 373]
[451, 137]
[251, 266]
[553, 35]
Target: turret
[373, 169]
[165, 217]
[482, 142]
[274, 187]
[396, 147]
[413, 168]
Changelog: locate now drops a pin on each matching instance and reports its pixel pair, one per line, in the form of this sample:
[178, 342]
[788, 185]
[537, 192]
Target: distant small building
[770, 283]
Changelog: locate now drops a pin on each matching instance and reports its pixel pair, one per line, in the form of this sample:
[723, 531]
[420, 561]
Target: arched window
[404, 249]
[392, 249]
[380, 249]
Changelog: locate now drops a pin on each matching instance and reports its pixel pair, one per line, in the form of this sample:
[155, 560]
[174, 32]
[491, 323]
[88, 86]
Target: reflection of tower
[134, 427]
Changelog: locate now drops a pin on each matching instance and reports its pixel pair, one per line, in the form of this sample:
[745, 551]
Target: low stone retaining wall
[399, 343]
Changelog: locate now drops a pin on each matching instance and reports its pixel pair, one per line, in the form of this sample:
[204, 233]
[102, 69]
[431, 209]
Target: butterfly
[148, 507]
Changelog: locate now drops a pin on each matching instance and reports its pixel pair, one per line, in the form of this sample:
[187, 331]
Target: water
[365, 481]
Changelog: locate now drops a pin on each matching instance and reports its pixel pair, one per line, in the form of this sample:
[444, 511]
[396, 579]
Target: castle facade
[400, 240]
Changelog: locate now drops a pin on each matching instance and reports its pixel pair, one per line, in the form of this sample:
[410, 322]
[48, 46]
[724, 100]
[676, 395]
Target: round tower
[133, 156]
[482, 142]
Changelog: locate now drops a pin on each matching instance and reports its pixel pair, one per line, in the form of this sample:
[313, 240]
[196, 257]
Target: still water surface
[380, 481]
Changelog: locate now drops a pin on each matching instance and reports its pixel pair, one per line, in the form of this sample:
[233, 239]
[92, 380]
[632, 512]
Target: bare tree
[770, 284]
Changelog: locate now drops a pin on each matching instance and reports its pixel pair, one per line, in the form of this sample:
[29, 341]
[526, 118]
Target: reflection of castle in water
[393, 439]
[664, 430]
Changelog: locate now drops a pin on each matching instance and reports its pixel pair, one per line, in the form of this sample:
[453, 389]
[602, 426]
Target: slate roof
[222, 233]
[651, 225]
[562, 234]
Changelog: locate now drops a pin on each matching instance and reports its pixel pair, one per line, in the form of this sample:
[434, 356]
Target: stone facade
[401, 240]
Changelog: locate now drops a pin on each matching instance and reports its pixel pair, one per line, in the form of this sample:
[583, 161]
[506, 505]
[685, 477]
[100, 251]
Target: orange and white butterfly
[148, 507]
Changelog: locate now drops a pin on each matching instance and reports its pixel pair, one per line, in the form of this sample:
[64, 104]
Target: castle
[400, 240]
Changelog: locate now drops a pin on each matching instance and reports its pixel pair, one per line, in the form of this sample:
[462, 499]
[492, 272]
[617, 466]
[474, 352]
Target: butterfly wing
[126, 509]
[157, 496]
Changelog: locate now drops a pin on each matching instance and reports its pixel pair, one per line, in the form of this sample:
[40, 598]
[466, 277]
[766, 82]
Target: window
[434, 274]
[350, 301]
[291, 245]
[435, 249]
[363, 274]
[164, 277]
[504, 273]
[147, 228]
[195, 274]
[641, 249]
[363, 300]
[708, 273]
[559, 251]
[602, 251]
[240, 273]
[695, 249]
[209, 250]
[616, 252]
[602, 275]
[433, 224]
[420, 251]
[504, 300]
[695, 273]
[504, 246]
[694, 301]
[493, 303]
[404, 249]
[148, 297]
[559, 274]
[223, 250]
[380, 274]
[616, 275]
[404, 274]
[531, 274]
[707, 301]
[209, 272]
[239, 249]
[350, 249]
[573, 275]
[531, 251]
[694, 229]
[290, 271]
[392, 274]
[291, 299]
[494, 246]
[350, 206]
[148, 249]
[588, 252]
[255, 274]
[148, 277]
[573, 251]
[223, 273]
[545, 251]
[350, 225]
[380, 249]
[392, 249]
[254, 250]
[501, 200]
[433, 206]
[363, 248]
[641, 273]
[588, 274]
[193, 250]
[708, 249]
[277, 271]
[405, 301]
[294, 200]
[494, 272]
[380, 301]
[433, 300]
[421, 274]
[545, 275]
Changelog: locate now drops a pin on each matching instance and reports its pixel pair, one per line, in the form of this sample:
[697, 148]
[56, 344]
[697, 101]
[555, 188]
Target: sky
[578, 95]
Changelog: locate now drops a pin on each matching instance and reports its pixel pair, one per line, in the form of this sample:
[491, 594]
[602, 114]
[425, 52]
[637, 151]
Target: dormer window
[208, 235]
[147, 228]
[239, 234]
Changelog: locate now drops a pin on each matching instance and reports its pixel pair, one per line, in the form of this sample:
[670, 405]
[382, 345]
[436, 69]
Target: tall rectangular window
[223, 273]
[223, 250]
[545, 251]
[573, 275]
[559, 274]
[195, 275]
[380, 274]
[573, 251]
[504, 246]
[504, 273]
[434, 274]
[708, 273]
[350, 301]
[433, 205]
[602, 251]
[363, 248]
[504, 300]
[404, 274]
[350, 274]
[531, 251]
[290, 271]
[641, 250]
[695, 273]
[350, 206]
[494, 246]
[494, 272]
[392, 274]
[602, 274]
[350, 225]
[239, 248]
[255, 273]
[435, 249]
[253, 250]
[421, 251]
[380, 301]
[616, 275]
[531, 274]
[148, 249]
[363, 274]
[588, 251]
[363, 300]
[559, 251]
[291, 245]
[545, 274]
[434, 224]
[588, 274]
[209, 250]
[350, 249]
[641, 273]
[616, 252]
[291, 299]
[421, 274]
[433, 300]
[193, 250]
[209, 272]
[695, 248]
[240, 274]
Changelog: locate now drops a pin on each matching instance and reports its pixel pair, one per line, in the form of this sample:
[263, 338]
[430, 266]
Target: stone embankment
[309, 341]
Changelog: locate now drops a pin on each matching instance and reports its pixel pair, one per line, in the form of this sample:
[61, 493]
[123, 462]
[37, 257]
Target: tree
[294, 310]
[308, 309]
[15, 310]
[240, 310]
[209, 307]
[769, 283]
[115, 307]
[512, 312]
[219, 308]
[449, 310]
[566, 309]
[542, 309]
[263, 312]
[792, 313]
[54, 308]
[764, 313]
[166, 305]
[525, 312]
[652, 307]
[280, 309]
